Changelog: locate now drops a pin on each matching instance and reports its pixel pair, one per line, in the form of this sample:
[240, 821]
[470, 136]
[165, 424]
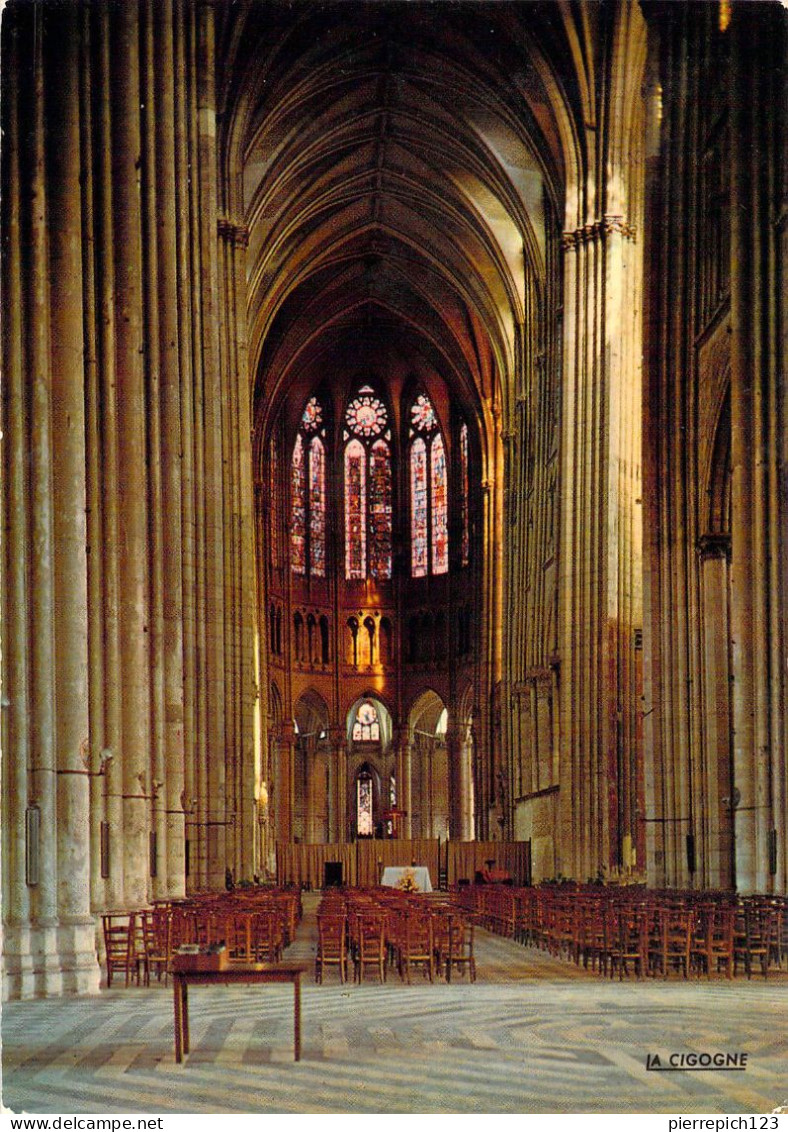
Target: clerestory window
[368, 487]
[308, 494]
[429, 504]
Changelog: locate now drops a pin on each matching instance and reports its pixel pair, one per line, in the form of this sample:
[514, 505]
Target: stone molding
[714, 546]
[237, 234]
[600, 228]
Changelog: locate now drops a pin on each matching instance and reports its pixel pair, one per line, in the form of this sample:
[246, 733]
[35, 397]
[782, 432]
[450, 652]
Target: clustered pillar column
[126, 494]
[600, 553]
[404, 782]
[76, 942]
[758, 429]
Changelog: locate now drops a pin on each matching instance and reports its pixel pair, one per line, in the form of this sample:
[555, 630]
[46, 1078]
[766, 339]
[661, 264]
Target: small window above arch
[366, 726]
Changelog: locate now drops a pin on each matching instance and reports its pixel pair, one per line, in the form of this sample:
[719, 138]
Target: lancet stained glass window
[364, 805]
[308, 494]
[429, 496]
[317, 507]
[275, 540]
[440, 508]
[465, 497]
[298, 512]
[368, 487]
[355, 510]
[380, 511]
[419, 555]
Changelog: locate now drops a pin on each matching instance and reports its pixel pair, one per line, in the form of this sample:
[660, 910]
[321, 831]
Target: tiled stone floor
[532, 1035]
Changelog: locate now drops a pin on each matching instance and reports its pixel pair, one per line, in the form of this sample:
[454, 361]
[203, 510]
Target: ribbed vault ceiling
[395, 164]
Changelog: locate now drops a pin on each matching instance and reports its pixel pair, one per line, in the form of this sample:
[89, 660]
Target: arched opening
[429, 766]
[311, 770]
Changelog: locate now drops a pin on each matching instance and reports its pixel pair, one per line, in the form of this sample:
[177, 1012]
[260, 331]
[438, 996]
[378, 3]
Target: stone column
[43, 747]
[132, 477]
[338, 784]
[170, 344]
[404, 784]
[108, 551]
[718, 813]
[75, 936]
[600, 549]
[211, 485]
[285, 764]
[152, 125]
[310, 769]
[19, 980]
[758, 505]
[239, 532]
[459, 784]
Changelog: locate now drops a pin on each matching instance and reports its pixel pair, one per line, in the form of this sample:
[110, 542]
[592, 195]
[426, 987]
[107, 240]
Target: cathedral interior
[395, 448]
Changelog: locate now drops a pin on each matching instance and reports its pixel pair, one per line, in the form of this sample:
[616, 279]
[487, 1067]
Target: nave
[533, 1034]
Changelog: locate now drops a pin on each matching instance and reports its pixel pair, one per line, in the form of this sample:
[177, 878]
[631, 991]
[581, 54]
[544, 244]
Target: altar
[409, 878]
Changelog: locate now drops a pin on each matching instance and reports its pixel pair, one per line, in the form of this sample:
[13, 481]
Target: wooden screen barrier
[362, 862]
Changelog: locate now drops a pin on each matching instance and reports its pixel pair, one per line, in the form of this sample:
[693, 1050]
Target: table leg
[177, 994]
[185, 1015]
[297, 1016]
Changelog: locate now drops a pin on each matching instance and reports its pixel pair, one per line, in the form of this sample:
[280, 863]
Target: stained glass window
[312, 418]
[364, 806]
[298, 512]
[440, 510]
[418, 504]
[368, 487]
[275, 543]
[366, 728]
[465, 497]
[366, 414]
[308, 494]
[355, 510]
[317, 508]
[429, 496]
[422, 415]
[380, 511]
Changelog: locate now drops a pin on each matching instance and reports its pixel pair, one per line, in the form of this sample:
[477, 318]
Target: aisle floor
[532, 1035]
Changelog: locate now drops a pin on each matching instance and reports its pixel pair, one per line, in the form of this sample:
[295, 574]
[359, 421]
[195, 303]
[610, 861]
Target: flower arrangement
[407, 882]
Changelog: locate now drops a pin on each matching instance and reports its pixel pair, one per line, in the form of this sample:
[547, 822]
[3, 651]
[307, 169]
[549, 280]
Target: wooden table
[233, 973]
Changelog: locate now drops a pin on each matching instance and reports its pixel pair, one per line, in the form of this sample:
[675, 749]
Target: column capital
[714, 546]
[236, 234]
[336, 735]
[610, 223]
[287, 731]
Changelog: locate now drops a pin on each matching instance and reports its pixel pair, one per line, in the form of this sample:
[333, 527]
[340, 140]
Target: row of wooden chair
[381, 932]
[253, 928]
[639, 931]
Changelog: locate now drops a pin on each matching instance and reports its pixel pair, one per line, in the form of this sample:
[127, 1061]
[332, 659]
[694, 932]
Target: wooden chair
[239, 936]
[459, 952]
[755, 937]
[712, 946]
[591, 944]
[157, 930]
[525, 904]
[331, 945]
[119, 946]
[670, 941]
[370, 944]
[416, 945]
[267, 936]
[628, 936]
